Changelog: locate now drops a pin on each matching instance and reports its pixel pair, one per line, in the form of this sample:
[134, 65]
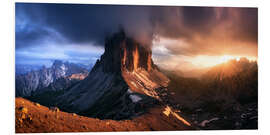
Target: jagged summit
[34, 81]
[122, 84]
[124, 53]
[132, 61]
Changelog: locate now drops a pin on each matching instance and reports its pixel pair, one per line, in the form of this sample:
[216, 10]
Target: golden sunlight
[226, 58]
[208, 61]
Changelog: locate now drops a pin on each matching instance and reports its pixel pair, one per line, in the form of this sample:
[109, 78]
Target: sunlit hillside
[227, 88]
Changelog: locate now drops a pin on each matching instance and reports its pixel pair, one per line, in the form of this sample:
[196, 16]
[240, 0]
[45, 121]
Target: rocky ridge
[34, 81]
[123, 84]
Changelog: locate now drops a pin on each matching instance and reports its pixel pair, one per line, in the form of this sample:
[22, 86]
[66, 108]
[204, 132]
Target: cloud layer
[187, 31]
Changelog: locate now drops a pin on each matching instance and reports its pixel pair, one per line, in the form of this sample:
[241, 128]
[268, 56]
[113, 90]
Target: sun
[226, 58]
[204, 61]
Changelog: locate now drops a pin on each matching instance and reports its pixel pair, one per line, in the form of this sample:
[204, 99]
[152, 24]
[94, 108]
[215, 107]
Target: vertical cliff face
[133, 63]
[122, 84]
[134, 56]
[123, 53]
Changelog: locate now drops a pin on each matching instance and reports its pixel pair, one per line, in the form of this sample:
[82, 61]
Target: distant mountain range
[228, 92]
[36, 80]
[231, 68]
[234, 79]
[25, 68]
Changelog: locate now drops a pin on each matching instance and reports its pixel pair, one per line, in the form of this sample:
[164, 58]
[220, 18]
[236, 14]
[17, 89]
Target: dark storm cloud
[185, 21]
[208, 30]
[86, 23]
[175, 22]
[199, 27]
[247, 24]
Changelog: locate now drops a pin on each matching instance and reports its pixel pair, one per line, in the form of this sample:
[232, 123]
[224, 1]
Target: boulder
[37, 104]
[23, 110]
[54, 109]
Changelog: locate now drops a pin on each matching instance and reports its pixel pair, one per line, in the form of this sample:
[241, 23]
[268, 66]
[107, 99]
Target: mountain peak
[123, 82]
[36, 80]
[58, 63]
[124, 53]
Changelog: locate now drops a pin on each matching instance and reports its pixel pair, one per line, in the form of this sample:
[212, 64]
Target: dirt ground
[34, 118]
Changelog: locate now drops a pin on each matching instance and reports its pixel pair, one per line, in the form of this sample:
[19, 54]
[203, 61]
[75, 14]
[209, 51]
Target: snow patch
[63, 70]
[135, 98]
[129, 91]
[203, 123]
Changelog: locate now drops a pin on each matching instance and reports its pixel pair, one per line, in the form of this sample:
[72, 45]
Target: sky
[180, 37]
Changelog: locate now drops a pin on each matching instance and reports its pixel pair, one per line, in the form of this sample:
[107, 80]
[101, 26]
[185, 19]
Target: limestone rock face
[122, 52]
[57, 75]
[121, 85]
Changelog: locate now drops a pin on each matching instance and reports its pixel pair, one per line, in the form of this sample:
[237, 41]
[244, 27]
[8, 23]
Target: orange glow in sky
[180, 54]
[208, 61]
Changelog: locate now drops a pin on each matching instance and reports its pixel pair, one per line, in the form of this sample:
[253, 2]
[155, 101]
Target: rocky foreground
[35, 118]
